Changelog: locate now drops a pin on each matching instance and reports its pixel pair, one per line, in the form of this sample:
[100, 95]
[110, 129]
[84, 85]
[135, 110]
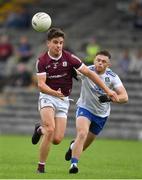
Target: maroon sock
[41, 167]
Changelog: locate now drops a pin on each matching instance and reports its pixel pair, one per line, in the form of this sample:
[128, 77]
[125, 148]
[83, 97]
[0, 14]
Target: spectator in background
[24, 51]
[6, 48]
[20, 19]
[136, 8]
[6, 51]
[124, 61]
[22, 77]
[91, 49]
[136, 62]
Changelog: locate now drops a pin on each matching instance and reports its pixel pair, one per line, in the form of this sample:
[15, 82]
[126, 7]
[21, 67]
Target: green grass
[105, 159]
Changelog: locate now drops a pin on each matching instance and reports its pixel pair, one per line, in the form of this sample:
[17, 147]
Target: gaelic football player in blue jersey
[94, 107]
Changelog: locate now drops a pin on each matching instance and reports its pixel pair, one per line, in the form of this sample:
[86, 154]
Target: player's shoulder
[42, 56]
[71, 57]
[66, 53]
[110, 72]
[69, 54]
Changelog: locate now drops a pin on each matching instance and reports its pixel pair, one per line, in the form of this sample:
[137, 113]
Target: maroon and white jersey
[58, 71]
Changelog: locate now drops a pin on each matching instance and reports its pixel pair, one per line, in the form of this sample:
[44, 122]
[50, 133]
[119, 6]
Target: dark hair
[105, 53]
[55, 33]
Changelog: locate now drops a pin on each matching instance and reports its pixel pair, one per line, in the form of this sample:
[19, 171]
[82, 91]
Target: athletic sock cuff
[41, 163]
[74, 160]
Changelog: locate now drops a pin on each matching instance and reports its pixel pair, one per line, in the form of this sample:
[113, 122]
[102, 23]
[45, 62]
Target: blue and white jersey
[90, 92]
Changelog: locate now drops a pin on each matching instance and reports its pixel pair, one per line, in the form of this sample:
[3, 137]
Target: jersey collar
[53, 58]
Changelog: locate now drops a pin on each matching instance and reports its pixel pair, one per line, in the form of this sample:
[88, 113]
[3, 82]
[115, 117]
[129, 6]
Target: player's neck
[54, 56]
[100, 72]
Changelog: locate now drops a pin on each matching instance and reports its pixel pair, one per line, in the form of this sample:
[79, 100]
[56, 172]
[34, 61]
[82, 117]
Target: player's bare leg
[82, 126]
[90, 138]
[60, 127]
[48, 127]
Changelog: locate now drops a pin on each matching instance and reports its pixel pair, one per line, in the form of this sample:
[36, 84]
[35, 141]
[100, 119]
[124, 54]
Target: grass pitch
[105, 159]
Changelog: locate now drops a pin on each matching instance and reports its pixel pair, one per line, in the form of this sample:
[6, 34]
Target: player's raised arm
[95, 78]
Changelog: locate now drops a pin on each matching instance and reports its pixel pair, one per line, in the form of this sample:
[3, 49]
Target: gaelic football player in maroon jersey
[54, 77]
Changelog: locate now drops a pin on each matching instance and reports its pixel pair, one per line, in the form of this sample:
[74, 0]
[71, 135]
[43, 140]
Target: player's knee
[49, 131]
[82, 134]
[57, 140]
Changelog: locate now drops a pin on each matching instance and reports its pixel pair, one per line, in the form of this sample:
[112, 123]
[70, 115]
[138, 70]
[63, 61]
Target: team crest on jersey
[107, 79]
[64, 63]
[47, 67]
[55, 65]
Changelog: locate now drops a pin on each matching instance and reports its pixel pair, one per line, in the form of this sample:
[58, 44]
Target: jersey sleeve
[40, 68]
[76, 62]
[117, 82]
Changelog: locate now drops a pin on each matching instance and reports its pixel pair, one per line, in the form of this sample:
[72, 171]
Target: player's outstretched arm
[95, 78]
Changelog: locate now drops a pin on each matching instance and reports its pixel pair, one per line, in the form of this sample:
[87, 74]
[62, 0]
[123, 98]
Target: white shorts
[60, 106]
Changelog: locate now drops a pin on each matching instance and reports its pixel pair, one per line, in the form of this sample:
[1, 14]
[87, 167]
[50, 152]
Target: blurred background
[92, 25]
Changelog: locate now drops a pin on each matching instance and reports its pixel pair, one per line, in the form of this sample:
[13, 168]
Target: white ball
[41, 21]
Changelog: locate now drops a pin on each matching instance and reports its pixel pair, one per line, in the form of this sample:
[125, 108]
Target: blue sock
[74, 160]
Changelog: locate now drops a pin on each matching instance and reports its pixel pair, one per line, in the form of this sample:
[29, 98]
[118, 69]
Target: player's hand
[59, 94]
[113, 96]
[115, 100]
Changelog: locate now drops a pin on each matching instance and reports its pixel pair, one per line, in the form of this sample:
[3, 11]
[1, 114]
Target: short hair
[55, 33]
[105, 53]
